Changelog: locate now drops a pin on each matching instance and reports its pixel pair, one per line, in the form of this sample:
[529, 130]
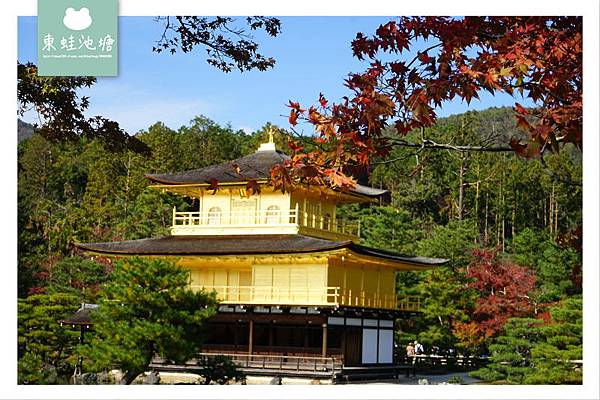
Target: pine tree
[445, 296]
[76, 276]
[146, 308]
[45, 348]
[553, 359]
[511, 352]
[532, 352]
[445, 302]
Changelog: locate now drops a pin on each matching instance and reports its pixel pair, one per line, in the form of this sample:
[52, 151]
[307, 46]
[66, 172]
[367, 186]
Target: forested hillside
[24, 130]
[510, 226]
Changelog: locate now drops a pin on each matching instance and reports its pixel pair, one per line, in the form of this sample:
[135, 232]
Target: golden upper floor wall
[230, 211]
[331, 279]
[225, 208]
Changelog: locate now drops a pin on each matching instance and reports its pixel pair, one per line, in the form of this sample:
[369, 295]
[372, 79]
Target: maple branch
[401, 158]
[308, 141]
[167, 28]
[429, 144]
[423, 52]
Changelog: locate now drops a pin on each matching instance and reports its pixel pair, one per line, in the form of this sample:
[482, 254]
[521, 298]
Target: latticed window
[312, 215]
[214, 216]
[273, 215]
[326, 221]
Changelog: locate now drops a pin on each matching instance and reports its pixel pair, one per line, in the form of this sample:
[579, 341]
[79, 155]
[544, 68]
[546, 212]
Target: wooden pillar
[235, 335]
[81, 334]
[343, 344]
[270, 336]
[324, 346]
[79, 366]
[250, 334]
[394, 341]
[305, 344]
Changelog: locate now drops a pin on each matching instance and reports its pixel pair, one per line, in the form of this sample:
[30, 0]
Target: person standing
[419, 348]
[410, 350]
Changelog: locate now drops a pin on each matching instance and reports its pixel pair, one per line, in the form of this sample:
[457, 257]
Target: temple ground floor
[322, 344]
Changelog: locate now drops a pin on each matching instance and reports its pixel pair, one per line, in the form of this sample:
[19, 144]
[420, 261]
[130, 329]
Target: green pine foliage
[554, 265]
[454, 241]
[147, 308]
[511, 353]
[533, 352]
[384, 227]
[219, 369]
[76, 276]
[446, 298]
[555, 272]
[446, 301]
[527, 247]
[554, 359]
[45, 348]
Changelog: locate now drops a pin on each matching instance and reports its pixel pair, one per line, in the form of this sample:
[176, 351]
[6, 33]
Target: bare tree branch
[430, 144]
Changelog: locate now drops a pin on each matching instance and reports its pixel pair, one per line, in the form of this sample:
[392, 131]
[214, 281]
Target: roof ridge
[244, 162]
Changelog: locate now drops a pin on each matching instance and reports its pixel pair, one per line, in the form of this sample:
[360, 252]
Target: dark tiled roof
[368, 191]
[243, 244]
[81, 316]
[216, 245]
[397, 256]
[254, 166]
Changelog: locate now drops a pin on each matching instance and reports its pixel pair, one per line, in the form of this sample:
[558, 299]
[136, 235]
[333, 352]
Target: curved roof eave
[255, 166]
[246, 245]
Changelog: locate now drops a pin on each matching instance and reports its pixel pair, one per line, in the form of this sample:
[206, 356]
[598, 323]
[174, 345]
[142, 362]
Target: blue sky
[313, 55]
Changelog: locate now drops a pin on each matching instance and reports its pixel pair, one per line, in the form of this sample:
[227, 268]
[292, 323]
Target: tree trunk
[485, 229]
[461, 186]
[129, 376]
[127, 183]
[556, 217]
[503, 220]
[545, 213]
[497, 223]
[417, 166]
[477, 208]
[514, 216]
[551, 210]
[498, 219]
[503, 199]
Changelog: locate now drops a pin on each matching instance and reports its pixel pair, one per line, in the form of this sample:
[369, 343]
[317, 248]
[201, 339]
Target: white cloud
[77, 20]
[136, 108]
[136, 114]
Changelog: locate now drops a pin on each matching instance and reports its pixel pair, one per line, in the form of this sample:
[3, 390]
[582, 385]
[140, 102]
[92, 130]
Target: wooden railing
[234, 218]
[333, 225]
[409, 303]
[310, 296]
[328, 365]
[432, 362]
[286, 221]
[274, 364]
[377, 300]
[275, 295]
[363, 299]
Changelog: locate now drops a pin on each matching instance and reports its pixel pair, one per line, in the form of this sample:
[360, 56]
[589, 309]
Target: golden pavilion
[299, 296]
